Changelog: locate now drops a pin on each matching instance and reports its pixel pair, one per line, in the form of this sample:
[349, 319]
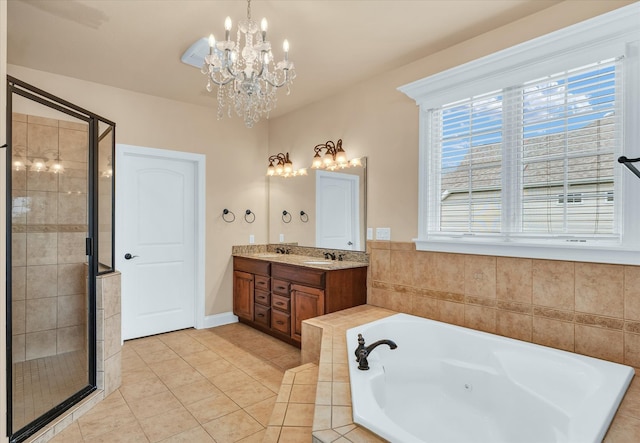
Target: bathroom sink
[318, 262]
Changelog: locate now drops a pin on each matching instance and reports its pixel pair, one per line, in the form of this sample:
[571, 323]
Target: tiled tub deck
[324, 343]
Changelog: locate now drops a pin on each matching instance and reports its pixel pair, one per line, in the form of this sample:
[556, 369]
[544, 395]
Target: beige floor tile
[286, 361]
[135, 375]
[159, 357]
[262, 410]
[299, 414]
[215, 368]
[295, 435]
[303, 394]
[232, 427]
[212, 408]
[154, 405]
[163, 426]
[194, 435]
[173, 364]
[181, 377]
[271, 434]
[70, 434]
[128, 433]
[277, 415]
[97, 424]
[143, 388]
[250, 393]
[258, 437]
[193, 392]
[230, 380]
[201, 358]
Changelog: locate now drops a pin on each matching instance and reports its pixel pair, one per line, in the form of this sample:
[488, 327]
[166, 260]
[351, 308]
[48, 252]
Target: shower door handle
[128, 256]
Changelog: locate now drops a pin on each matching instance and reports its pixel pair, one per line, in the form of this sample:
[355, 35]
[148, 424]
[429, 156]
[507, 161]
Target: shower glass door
[53, 257]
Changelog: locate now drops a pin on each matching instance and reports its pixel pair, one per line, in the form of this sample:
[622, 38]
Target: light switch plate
[383, 233]
[252, 239]
[369, 233]
[281, 238]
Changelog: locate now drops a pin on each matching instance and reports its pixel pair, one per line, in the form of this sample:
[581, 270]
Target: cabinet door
[305, 303]
[243, 295]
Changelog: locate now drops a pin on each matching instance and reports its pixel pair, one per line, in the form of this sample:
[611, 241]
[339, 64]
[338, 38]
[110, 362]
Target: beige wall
[234, 166]
[375, 120]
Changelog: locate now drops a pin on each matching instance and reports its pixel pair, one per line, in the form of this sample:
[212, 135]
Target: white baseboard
[224, 318]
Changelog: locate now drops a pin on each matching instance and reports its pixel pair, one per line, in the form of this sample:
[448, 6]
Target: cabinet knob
[280, 322]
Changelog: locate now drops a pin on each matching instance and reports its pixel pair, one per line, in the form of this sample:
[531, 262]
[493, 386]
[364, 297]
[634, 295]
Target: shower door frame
[15, 86]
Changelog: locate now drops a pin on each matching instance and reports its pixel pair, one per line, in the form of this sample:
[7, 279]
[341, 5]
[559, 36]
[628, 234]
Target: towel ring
[286, 216]
[304, 217]
[247, 213]
[226, 212]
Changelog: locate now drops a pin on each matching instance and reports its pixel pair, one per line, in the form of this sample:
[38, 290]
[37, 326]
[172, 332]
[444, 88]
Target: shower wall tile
[74, 179]
[36, 120]
[20, 206]
[112, 373]
[42, 248]
[18, 249]
[72, 209]
[18, 348]
[71, 247]
[18, 283]
[600, 289]
[554, 284]
[112, 334]
[42, 181]
[19, 135]
[42, 208]
[78, 126]
[40, 344]
[71, 310]
[19, 180]
[42, 281]
[42, 314]
[71, 279]
[592, 309]
[74, 145]
[18, 317]
[111, 295]
[41, 139]
[70, 339]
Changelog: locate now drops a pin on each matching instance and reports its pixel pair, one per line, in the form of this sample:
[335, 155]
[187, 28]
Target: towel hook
[304, 217]
[248, 213]
[226, 212]
[286, 216]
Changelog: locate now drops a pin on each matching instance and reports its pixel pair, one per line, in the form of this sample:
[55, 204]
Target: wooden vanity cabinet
[276, 297]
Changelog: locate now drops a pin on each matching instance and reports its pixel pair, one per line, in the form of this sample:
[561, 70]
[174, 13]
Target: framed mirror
[324, 209]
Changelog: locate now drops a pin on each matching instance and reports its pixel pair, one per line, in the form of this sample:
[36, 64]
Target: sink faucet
[362, 352]
[330, 255]
[280, 250]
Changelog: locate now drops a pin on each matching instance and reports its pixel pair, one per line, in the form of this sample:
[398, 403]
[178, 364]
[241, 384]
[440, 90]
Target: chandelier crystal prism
[244, 71]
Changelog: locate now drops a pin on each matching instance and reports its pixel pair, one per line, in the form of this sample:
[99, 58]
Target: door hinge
[89, 246]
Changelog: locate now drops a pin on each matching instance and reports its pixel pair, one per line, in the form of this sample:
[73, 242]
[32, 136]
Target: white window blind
[535, 159]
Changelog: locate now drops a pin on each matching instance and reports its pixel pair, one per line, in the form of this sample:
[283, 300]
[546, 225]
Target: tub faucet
[362, 352]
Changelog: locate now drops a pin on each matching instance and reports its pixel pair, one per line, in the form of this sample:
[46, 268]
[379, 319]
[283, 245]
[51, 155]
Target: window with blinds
[531, 160]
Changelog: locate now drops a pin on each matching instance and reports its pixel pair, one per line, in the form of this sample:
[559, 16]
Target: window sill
[581, 253]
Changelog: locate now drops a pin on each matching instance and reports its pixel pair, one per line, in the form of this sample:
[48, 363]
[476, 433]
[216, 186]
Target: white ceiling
[137, 44]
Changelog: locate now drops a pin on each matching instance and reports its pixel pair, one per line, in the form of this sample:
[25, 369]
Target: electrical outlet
[281, 238]
[383, 233]
[369, 233]
[252, 239]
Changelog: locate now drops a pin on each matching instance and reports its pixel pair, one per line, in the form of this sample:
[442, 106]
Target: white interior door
[337, 203]
[156, 253]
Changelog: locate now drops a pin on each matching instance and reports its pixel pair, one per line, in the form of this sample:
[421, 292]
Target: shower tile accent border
[109, 356]
[588, 308]
[324, 344]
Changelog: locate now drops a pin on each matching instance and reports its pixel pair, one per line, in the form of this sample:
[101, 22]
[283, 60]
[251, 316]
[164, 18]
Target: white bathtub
[446, 383]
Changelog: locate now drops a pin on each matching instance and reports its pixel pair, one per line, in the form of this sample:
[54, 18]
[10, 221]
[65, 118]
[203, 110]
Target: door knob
[128, 256]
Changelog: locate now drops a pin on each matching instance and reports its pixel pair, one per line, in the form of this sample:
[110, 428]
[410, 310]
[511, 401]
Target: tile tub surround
[324, 337]
[587, 308]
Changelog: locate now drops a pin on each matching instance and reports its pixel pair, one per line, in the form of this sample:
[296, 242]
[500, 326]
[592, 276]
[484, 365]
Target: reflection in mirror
[333, 205]
[106, 143]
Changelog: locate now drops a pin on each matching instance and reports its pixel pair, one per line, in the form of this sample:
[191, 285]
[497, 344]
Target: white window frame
[609, 35]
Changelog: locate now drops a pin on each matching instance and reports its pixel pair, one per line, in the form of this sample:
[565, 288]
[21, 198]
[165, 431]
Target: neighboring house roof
[543, 157]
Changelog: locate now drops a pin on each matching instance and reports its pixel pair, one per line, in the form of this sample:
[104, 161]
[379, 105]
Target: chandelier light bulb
[212, 41]
[279, 168]
[341, 157]
[271, 170]
[263, 27]
[317, 161]
[288, 167]
[327, 159]
[227, 24]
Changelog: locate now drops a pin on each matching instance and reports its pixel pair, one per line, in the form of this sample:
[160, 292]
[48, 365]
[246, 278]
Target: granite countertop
[302, 260]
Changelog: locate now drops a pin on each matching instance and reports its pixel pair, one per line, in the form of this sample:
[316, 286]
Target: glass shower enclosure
[60, 237]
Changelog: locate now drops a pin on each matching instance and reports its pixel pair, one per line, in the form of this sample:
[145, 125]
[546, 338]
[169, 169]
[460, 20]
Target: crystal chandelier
[245, 72]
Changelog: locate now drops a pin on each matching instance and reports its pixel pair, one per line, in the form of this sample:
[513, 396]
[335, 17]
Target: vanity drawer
[262, 297]
[261, 314]
[298, 274]
[280, 287]
[281, 303]
[261, 282]
[280, 321]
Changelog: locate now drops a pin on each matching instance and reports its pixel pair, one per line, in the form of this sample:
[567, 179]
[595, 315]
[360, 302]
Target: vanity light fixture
[335, 157]
[245, 72]
[41, 162]
[283, 166]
